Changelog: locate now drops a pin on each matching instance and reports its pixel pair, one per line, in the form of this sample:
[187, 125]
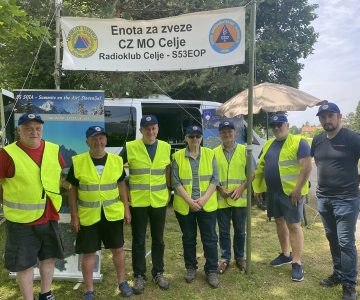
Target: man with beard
[336, 152]
[283, 170]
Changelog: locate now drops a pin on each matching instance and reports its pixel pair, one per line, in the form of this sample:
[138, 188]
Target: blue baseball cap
[147, 120]
[193, 129]
[278, 118]
[95, 130]
[29, 117]
[328, 107]
[224, 124]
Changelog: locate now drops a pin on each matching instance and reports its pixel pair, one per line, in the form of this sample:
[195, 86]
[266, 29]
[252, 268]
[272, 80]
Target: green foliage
[284, 35]
[294, 130]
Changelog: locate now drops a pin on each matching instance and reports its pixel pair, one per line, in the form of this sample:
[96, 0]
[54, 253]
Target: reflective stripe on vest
[147, 178]
[185, 174]
[289, 167]
[95, 192]
[36, 184]
[231, 175]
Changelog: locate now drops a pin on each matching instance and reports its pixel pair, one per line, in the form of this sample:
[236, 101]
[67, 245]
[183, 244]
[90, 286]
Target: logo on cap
[148, 119]
[226, 123]
[275, 118]
[325, 106]
[195, 128]
[97, 128]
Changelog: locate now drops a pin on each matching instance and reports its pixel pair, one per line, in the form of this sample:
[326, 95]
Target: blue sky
[333, 71]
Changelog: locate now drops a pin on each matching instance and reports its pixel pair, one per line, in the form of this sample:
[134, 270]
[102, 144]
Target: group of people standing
[210, 188]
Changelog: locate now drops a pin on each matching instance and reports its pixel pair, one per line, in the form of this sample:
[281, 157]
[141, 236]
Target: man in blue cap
[231, 163]
[336, 152]
[30, 173]
[283, 171]
[149, 179]
[99, 206]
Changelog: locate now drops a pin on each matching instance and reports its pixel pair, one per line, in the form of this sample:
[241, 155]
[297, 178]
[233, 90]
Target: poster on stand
[66, 114]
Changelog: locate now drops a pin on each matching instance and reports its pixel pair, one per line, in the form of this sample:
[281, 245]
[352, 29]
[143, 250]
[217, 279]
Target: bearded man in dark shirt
[336, 152]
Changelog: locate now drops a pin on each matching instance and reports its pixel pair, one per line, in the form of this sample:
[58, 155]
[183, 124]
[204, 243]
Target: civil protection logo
[225, 36]
[82, 41]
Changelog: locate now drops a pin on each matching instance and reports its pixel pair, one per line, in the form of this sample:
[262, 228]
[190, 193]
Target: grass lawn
[265, 282]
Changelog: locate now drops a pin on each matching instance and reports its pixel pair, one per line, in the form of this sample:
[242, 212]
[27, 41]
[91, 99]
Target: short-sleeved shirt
[229, 154]
[337, 164]
[151, 150]
[7, 170]
[99, 165]
[271, 170]
[194, 163]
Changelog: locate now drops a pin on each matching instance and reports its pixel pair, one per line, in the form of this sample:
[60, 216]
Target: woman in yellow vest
[194, 178]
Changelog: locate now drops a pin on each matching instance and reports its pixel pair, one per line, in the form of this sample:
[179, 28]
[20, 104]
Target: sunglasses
[278, 125]
[194, 136]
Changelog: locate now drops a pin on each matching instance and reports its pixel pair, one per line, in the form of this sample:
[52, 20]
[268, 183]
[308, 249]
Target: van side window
[120, 125]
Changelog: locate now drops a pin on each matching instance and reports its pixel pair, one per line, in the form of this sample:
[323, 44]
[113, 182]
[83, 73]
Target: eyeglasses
[194, 136]
[278, 125]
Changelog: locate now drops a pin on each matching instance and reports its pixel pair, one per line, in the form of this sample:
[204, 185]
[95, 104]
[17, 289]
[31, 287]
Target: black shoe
[349, 292]
[333, 280]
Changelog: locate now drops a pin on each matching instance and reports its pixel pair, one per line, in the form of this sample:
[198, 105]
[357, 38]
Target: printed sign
[191, 41]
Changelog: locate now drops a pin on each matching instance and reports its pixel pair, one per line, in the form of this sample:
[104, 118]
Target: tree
[356, 120]
[284, 35]
[294, 130]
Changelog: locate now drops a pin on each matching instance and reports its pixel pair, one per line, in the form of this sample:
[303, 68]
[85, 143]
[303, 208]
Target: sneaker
[161, 281]
[333, 280]
[213, 279]
[139, 288]
[281, 260]
[47, 296]
[224, 264]
[190, 275]
[125, 289]
[89, 295]
[349, 292]
[241, 263]
[297, 272]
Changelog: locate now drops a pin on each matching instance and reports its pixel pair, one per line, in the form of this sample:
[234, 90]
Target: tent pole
[249, 133]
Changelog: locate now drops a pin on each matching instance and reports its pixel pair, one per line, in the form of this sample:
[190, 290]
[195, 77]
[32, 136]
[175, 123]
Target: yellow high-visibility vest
[231, 175]
[96, 191]
[24, 194]
[147, 178]
[289, 167]
[185, 174]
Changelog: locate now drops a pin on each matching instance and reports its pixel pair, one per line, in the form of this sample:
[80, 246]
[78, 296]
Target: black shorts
[89, 238]
[26, 244]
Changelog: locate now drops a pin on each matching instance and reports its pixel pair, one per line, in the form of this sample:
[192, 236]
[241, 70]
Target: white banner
[192, 41]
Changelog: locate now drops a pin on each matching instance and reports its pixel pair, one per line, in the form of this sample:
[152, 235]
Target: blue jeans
[339, 218]
[207, 226]
[238, 217]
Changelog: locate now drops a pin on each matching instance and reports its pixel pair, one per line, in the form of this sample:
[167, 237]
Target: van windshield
[120, 125]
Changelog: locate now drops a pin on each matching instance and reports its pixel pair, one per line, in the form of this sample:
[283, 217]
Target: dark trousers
[339, 217]
[207, 226]
[140, 216]
[238, 217]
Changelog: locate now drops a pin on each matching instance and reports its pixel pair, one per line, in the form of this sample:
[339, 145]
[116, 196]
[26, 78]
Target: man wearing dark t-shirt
[283, 170]
[336, 152]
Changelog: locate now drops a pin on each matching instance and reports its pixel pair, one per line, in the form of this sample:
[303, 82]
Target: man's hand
[127, 215]
[236, 194]
[295, 196]
[75, 224]
[258, 197]
[223, 191]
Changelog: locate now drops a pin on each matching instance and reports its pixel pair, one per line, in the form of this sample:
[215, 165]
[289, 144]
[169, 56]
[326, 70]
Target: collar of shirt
[187, 152]
[232, 148]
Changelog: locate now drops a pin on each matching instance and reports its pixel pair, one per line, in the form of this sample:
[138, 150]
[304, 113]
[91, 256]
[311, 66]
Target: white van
[122, 121]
